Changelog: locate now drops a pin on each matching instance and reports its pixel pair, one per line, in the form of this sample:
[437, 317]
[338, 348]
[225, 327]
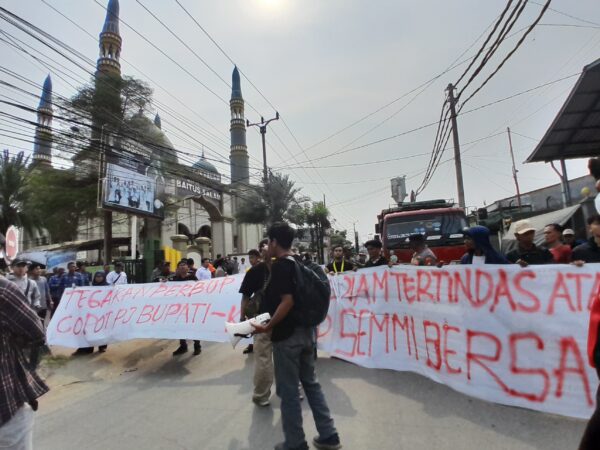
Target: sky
[324, 65]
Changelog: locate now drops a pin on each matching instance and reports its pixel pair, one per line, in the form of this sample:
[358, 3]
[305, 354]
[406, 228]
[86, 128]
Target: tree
[317, 218]
[58, 199]
[110, 101]
[14, 194]
[280, 201]
[339, 238]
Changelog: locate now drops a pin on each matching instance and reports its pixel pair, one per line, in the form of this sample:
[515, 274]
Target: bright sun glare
[271, 4]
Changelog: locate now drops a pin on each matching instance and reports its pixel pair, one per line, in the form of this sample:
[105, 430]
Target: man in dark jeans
[293, 350]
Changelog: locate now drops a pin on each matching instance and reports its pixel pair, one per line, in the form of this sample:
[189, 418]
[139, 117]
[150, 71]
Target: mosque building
[187, 207]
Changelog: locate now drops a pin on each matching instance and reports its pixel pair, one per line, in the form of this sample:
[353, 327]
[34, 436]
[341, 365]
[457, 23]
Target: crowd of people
[284, 351]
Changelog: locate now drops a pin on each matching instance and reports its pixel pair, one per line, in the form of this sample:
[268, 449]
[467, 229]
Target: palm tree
[317, 218]
[278, 202]
[14, 194]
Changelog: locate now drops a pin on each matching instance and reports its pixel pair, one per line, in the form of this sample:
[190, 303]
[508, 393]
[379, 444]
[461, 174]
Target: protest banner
[500, 333]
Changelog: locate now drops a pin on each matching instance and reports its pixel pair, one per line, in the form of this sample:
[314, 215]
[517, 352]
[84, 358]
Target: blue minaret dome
[236, 86]
[157, 121]
[46, 98]
[111, 24]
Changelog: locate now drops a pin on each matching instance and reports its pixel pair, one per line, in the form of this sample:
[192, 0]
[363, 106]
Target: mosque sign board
[131, 183]
[185, 187]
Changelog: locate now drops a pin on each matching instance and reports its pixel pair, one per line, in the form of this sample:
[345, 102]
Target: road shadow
[261, 433]
[520, 423]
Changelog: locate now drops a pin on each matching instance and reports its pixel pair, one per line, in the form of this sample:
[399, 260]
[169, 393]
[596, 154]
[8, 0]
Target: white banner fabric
[500, 333]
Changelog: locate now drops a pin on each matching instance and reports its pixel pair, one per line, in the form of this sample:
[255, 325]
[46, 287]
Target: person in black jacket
[375, 257]
[590, 251]
[527, 252]
[182, 273]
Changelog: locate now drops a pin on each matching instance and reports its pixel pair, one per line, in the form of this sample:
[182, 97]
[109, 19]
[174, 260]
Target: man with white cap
[569, 238]
[527, 252]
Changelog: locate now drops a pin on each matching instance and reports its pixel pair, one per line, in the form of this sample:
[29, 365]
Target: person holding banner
[182, 273]
[561, 253]
[590, 253]
[479, 248]
[374, 247]
[527, 252]
[340, 263]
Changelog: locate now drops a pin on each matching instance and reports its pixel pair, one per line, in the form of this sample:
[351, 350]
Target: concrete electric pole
[262, 125]
[514, 169]
[457, 161]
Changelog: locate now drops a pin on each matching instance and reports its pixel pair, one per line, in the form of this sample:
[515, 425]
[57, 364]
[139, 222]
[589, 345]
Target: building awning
[58, 255]
[575, 132]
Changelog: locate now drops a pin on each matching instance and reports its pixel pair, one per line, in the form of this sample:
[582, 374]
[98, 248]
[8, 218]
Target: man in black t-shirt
[339, 263]
[293, 351]
[375, 257]
[182, 273]
[254, 282]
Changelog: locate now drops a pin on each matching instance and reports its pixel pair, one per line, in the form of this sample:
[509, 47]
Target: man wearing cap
[527, 252]
[375, 257]
[569, 238]
[117, 276]
[27, 286]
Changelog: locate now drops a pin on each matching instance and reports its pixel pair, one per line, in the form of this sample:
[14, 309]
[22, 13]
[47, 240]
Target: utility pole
[514, 169]
[457, 162]
[107, 214]
[262, 125]
[355, 237]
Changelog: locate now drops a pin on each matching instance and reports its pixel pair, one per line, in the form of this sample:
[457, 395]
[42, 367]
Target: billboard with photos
[131, 183]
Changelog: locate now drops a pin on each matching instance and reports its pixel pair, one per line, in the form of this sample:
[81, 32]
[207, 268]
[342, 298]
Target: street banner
[505, 334]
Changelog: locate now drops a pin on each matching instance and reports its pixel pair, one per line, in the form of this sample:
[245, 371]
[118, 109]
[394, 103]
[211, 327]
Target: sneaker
[248, 349]
[197, 350]
[331, 443]
[180, 351]
[262, 403]
[282, 446]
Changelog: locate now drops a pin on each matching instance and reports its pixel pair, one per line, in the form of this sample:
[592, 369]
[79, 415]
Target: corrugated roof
[575, 132]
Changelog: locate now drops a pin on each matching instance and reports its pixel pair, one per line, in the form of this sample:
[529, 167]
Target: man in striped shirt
[20, 328]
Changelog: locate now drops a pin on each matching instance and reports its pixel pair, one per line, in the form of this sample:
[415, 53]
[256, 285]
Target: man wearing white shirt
[244, 266]
[117, 276]
[203, 273]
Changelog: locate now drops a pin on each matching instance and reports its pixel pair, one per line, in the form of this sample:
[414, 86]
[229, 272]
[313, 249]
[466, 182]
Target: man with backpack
[295, 297]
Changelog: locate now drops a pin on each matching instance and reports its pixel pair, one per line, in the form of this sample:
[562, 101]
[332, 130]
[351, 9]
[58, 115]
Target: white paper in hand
[240, 330]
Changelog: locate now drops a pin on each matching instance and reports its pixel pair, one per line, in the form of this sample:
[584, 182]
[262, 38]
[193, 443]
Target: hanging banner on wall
[501, 333]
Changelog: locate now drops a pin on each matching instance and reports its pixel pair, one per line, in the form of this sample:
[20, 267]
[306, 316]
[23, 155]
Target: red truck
[440, 221]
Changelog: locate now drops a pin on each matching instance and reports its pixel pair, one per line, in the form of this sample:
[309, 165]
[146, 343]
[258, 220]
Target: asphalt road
[137, 396]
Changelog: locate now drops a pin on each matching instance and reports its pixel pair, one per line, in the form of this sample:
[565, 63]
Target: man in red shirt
[561, 253]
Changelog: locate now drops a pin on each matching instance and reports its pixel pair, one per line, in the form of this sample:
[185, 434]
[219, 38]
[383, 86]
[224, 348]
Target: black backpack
[311, 295]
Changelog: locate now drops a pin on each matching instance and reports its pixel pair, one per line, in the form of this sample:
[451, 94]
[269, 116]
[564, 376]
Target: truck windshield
[437, 227]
